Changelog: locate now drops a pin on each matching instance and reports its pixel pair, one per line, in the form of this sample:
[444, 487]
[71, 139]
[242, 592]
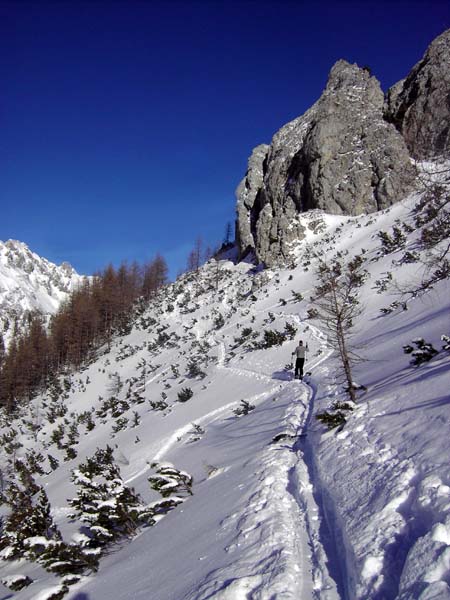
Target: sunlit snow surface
[29, 282]
[362, 513]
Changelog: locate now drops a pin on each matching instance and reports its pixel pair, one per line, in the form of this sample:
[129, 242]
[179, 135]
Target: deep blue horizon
[126, 126]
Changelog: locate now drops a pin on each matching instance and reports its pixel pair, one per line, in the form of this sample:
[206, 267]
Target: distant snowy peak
[29, 282]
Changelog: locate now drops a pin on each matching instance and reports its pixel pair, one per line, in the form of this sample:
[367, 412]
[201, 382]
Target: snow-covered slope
[30, 283]
[280, 506]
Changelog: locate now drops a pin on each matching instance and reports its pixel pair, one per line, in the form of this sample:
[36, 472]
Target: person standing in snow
[299, 353]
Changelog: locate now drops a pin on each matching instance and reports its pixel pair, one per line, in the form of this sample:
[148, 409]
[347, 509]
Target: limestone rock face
[341, 156]
[246, 194]
[419, 106]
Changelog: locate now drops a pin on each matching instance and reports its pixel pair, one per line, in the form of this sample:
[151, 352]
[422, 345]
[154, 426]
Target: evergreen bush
[185, 394]
[106, 506]
[194, 370]
[272, 338]
[244, 408]
[332, 420]
[169, 481]
[424, 351]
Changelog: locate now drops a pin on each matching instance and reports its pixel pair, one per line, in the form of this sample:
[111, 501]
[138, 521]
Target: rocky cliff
[419, 106]
[350, 153]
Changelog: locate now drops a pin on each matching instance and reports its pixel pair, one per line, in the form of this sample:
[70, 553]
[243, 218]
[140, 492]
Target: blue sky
[125, 127]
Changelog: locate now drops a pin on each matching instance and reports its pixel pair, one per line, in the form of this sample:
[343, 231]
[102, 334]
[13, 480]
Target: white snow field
[281, 507]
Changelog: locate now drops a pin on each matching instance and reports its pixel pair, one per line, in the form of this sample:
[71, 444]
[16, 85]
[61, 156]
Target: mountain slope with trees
[181, 445]
[153, 440]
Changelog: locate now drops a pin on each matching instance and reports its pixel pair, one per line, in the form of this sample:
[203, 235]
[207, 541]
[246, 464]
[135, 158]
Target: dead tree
[337, 303]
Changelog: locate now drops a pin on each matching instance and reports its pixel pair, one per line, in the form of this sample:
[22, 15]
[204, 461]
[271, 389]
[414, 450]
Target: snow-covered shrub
[312, 313]
[53, 462]
[382, 284]
[107, 507]
[158, 404]
[28, 522]
[270, 318]
[343, 406]
[73, 434]
[29, 531]
[56, 592]
[10, 442]
[219, 321]
[16, 582]
[67, 559]
[55, 410]
[194, 370]
[409, 257]
[332, 420]
[57, 436]
[290, 331]
[34, 462]
[185, 394]
[71, 453]
[167, 480]
[86, 418]
[121, 423]
[196, 433]
[272, 338]
[393, 242]
[446, 340]
[433, 216]
[244, 408]
[423, 353]
[393, 306]
[246, 334]
[112, 406]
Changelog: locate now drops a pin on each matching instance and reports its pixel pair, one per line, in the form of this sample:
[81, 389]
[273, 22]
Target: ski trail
[206, 418]
[209, 418]
[169, 442]
[142, 386]
[276, 537]
[319, 523]
[279, 534]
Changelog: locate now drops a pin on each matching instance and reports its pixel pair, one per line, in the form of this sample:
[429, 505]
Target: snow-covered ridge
[29, 282]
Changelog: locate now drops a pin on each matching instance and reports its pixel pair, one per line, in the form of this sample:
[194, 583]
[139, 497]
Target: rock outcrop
[419, 106]
[247, 193]
[341, 156]
[352, 152]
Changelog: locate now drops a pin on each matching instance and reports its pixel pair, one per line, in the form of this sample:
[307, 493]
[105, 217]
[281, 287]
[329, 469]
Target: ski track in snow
[278, 536]
[280, 529]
